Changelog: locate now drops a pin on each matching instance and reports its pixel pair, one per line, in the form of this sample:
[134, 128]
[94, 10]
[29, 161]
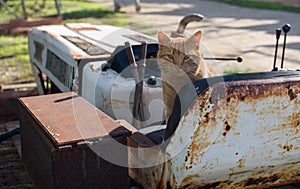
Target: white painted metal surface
[53, 40]
[236, 135]
[113, 94]
[71, 56]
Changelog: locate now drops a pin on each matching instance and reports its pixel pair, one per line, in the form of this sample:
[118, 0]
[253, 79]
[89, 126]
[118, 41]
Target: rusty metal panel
[62, 136]
[65, 116]
[86, 46]
[238, 134]
[145, 160]
[36, 153]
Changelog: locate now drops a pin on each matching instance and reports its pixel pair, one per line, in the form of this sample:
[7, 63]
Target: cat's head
[179, 53]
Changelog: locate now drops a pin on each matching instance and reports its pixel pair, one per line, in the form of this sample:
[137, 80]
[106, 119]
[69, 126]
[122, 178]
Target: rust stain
[200, 139]
[238, 91]
[80, 28]
[227, 128]
[197, 148]
[97, 70]
[168, 182]
[77, 56]
[238, 173]
[180, 140]
[187, 156]
[288, 147]
[253, 151]
[241, 162]
[295, 118]
[211, 185]
[273, 176]
[187, 181]
[291, 94]
[261, 180]
[52, 35]
[105, 102]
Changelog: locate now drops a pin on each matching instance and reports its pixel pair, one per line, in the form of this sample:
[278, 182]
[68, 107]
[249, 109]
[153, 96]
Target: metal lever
[238, 59]
[137, 110]
[143, 53]
[278, 32]
[9, 134]
[187, 19]
[139, 87]
[184, 22]
[130, 55]
[286, 28]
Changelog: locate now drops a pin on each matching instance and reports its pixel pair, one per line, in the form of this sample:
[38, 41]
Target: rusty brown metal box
[57, 133]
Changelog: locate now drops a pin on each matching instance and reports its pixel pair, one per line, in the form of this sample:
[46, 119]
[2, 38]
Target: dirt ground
[228, 31]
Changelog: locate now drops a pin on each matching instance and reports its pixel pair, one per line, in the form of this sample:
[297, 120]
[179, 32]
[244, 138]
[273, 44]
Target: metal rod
[238, 59]
[141, 69]
[9, 134]
[283, 51]
[286, 28]
[143, 53]
[130, 54]
[186, 20]
[278, 32]
[133, 64]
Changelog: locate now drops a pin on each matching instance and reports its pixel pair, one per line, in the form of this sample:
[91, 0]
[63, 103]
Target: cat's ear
[163, 38]
[196, 38]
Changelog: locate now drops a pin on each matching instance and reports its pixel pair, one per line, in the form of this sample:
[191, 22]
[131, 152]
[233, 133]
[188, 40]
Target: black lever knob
[278, 32]
[286, 28]
[152, 80]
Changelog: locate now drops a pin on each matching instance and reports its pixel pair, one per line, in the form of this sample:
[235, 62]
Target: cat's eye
[186, 57]
[170, 56]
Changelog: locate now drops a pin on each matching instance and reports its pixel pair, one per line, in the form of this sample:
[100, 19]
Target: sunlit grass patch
[14, 57]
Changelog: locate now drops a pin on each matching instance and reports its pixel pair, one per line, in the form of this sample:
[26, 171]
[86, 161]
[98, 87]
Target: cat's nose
[178, 68]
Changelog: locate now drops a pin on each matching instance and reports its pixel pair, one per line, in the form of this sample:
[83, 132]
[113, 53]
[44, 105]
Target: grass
[262, 5]
[236, 71]
[73, 11]
[14, 58]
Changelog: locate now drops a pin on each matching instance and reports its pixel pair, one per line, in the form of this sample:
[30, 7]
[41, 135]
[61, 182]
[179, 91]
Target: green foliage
[14, 58]
[236, 71]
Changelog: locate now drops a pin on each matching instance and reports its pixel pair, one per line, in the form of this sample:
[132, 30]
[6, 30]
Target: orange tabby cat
[181, 63]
